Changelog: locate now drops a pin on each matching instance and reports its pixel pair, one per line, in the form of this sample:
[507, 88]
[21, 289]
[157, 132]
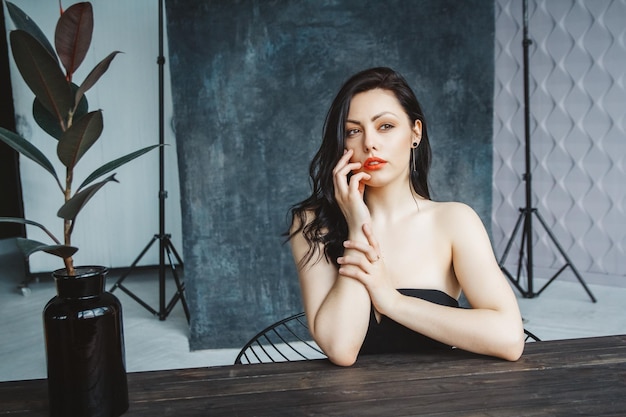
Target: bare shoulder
[453, 213]
[458, 221]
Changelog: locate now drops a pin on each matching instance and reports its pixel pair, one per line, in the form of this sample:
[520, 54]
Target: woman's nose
[369, 141]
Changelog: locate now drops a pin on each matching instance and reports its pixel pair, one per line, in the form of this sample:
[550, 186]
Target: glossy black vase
[85, 347]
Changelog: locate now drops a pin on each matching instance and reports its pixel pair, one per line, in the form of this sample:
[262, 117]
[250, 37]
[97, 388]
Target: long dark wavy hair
[328, 225]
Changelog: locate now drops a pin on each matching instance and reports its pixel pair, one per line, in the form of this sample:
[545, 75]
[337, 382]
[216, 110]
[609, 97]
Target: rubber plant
[61, 109]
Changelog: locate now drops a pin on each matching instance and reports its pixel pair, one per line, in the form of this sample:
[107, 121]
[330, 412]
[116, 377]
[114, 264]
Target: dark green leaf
[77, 140]
[24, 22]
[73, 35]
[29, 246]
[29, 222]
[42, 74]
[29, 150]
[95, 75]
[106, 168]
[47, 121]
[72, 207]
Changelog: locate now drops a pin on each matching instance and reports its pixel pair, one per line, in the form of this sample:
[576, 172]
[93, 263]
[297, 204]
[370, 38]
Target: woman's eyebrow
[374, 118]
[379, 115]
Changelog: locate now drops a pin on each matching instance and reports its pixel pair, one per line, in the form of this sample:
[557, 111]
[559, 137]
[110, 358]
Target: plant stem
[67, 224]
[69, 266]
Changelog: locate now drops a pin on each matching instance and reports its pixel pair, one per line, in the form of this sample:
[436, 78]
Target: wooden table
[584, 377]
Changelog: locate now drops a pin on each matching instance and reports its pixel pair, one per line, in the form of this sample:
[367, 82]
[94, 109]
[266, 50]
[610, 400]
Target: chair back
[530, 337]
[286, 340]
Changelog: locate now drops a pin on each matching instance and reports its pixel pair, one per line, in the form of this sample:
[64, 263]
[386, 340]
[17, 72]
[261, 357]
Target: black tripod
[165, 244]
[527, 212]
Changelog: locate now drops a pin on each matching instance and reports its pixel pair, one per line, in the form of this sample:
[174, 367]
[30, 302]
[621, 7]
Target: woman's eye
[386, 126]
[352, 132]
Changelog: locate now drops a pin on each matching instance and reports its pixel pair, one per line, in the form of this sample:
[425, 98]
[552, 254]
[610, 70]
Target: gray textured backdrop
[252, 81]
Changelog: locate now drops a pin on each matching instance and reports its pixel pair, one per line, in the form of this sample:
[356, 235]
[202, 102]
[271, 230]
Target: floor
[563, 310]
[151, 344]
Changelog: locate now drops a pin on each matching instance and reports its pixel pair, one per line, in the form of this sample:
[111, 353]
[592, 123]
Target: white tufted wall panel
[577, 129]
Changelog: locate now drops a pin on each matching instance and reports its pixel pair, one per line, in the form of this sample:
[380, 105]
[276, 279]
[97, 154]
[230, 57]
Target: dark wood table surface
[585, 377]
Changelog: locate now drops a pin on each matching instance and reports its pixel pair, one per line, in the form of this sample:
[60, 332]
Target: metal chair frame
[275, 343]
[531, 337]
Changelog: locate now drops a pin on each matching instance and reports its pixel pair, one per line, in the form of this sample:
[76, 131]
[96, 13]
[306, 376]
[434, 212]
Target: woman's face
[381, 135]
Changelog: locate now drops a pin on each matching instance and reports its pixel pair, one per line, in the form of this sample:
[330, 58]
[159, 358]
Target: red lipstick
[374, 163]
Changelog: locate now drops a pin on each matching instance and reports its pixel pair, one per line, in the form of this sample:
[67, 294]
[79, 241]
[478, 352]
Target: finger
[344, 165]
[341, 171]
[353, 272]
[343, 187]
[343, 161]
[357, 245]
[371, 253]
[371, 249]
[369, 234]
[356, 181]
[356, 261]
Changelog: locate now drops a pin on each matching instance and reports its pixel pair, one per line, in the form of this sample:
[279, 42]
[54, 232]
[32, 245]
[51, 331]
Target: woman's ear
[417, 129]
[416, 137]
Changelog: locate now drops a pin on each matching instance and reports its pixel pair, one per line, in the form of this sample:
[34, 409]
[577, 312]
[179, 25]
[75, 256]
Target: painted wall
[252, 81]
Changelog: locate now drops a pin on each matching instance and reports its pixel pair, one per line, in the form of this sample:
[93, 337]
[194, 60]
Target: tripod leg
[512, 238]
[138, 300]
[514, 280]
[173, 249]
[180, 286]
[164, 311]
[118, 283]
[564, 255]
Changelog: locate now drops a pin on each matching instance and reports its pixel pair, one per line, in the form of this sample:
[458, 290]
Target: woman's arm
[337, 308]
[492, 327]
[494, 322]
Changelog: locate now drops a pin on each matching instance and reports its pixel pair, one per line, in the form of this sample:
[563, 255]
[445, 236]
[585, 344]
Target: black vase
[85, 347]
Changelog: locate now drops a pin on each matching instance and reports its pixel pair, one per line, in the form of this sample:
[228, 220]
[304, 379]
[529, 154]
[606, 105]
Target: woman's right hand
[349, 193]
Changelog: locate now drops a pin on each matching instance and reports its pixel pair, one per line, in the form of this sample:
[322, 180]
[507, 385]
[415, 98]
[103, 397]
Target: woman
[381, 266]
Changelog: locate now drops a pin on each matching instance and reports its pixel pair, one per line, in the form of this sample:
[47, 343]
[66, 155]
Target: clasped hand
[363, 262]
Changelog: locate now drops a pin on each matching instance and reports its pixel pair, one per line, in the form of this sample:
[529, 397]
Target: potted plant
[83, 323]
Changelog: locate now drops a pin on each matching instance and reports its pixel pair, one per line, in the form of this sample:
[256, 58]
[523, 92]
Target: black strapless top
[389, 336]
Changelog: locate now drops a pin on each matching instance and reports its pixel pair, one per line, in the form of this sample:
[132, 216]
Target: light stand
[527, 211]
[165, 244]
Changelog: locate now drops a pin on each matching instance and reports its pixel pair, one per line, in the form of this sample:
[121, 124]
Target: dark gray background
[252, 81]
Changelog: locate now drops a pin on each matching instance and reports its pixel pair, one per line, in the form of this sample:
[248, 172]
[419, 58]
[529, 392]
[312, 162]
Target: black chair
[284, 341]
[530, 337]
[289, 340]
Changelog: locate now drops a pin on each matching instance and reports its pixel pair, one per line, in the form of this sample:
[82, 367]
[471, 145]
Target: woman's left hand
[368, 267]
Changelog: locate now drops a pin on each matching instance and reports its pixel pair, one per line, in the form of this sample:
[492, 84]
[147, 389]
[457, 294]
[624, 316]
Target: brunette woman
[381, 265]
